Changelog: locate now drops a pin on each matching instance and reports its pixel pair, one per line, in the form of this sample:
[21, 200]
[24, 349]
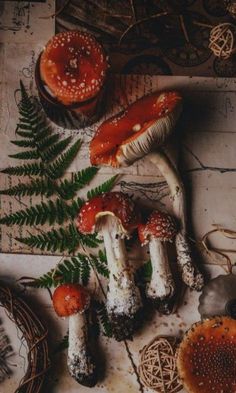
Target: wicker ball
[157, 368]
[222, 40]
[232, 9]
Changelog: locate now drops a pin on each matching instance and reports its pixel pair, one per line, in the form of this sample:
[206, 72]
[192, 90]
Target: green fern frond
[62, 239]
[52, 212]
[68, 188]
[43, 131]
[62, 345]
[144, 273]
[102, 256]
[58, 167]
[24, 134]
[57, 148]
[103, 318]
[24, 143]
[35, 187]
[26, 155]
[74, 207]
[48, 141]
[74, 270]
[104, 187]
[33, 169]
[100, 265]
[90, 240]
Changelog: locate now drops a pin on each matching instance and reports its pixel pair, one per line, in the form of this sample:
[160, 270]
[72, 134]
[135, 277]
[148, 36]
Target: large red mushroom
[143, 128]
[206, 358]
[113, 215]
[159, 229]
[71, 301]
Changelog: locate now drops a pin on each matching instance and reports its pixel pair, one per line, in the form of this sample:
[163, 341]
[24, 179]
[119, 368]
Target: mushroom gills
[161, 287]
[156, 134]
[123, 298]
[81, 365]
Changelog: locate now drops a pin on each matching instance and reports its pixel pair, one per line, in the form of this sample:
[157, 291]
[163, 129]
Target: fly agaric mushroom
[70, 75]
[72, 300]
[143, 126]
[113, 215]
[160, 228]
[73, 66]
[206, 358]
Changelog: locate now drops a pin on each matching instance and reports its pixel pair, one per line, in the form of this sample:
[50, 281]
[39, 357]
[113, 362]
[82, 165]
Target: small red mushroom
[73, 67]
[114, 216]
[72, 300]
[159, 228]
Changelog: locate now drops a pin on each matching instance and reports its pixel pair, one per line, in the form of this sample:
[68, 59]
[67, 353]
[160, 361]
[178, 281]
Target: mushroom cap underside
[129, 135]
[73, 66]
[112, 203]
[159, 225]
[70, 299]
[207, 357]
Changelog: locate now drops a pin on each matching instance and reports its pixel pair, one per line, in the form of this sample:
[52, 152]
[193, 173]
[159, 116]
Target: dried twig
[35, 335]
[58, 12]
[139, 22]
[231, 234]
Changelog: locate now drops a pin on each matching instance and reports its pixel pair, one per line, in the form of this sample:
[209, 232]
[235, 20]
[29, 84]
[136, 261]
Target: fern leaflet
[35, 187]
[33, 169]
[104, 187]
[58, 167]
[62, 239]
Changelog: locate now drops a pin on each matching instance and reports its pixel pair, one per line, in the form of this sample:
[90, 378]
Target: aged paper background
[208, 164]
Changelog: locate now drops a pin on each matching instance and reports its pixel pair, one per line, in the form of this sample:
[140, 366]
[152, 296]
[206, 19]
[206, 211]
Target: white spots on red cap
[137, 127]
[115, 203]
[159, 225]
[78, 59]
[207, 356]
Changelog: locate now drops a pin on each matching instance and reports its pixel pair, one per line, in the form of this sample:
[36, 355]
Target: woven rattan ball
[157, 367]
[222, 40]
[232, 9]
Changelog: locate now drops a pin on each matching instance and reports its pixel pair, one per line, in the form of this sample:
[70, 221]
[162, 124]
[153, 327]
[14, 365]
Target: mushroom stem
[123, 297]
[190, 273]
[80, 362]
[161, 287]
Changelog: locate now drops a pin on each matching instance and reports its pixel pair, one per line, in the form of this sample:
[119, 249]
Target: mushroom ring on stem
[143, 127]
[113, 215]
[159, 228]
[72, 300]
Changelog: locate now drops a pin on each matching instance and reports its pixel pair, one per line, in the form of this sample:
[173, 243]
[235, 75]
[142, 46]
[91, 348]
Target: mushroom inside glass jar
[113, 215]
[143, 128]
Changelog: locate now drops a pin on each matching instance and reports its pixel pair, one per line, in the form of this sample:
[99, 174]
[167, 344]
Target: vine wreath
[35, 335]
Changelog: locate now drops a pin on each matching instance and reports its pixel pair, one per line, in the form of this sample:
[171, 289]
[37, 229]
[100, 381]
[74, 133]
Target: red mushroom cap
[73, 66]
[206, 358]
[114, 203]
[159, 225]
[123, 128]
[70, 299]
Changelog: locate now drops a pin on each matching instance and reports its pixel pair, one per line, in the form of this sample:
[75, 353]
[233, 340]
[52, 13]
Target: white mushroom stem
[161, 285]
[123, 296]
[80, 364]
[190, 273]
